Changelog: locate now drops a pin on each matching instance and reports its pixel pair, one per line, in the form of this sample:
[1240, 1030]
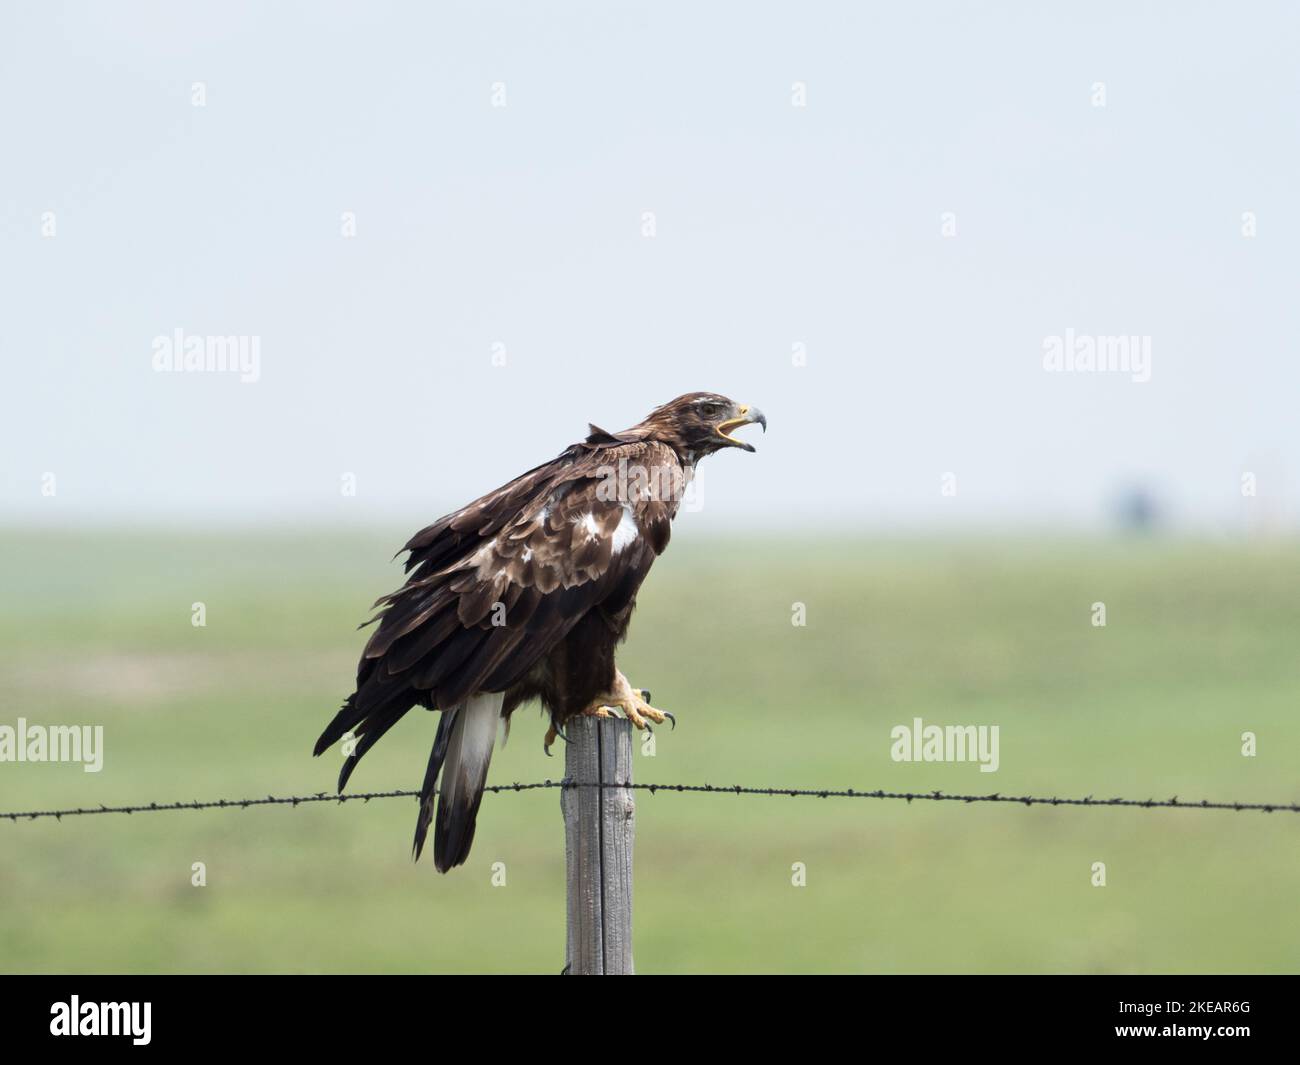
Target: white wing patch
[626, 532]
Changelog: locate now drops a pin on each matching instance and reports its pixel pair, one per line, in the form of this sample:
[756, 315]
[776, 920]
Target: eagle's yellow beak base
[748, 416]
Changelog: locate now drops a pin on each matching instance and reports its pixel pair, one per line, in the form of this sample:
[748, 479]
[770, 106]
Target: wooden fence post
[599, 825]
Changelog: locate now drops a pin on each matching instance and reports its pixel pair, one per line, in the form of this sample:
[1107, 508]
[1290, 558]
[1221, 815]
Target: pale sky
[129, 212]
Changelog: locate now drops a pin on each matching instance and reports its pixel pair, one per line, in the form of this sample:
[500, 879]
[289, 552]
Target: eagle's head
[700, 423]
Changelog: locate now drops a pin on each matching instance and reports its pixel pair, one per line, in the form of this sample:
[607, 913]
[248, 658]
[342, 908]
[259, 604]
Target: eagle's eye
[711, 410]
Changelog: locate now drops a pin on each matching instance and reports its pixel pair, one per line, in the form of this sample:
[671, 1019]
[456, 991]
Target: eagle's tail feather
[427, 794]
[467, 735]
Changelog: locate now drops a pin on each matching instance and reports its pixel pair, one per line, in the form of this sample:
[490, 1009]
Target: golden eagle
[523, 594]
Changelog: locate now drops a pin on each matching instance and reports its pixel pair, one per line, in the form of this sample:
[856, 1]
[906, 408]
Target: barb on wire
[711, 789]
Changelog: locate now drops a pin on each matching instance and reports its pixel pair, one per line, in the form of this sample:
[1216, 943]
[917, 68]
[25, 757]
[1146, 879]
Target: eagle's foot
[549, 738]
[634, 702]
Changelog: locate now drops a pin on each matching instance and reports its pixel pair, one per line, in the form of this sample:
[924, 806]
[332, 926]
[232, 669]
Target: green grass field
[1200, 646]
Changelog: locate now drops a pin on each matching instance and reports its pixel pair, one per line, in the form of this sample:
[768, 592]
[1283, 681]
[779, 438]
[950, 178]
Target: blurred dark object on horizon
[1137, 511]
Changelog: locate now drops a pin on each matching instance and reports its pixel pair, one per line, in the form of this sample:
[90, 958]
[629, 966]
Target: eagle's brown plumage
[524, 594]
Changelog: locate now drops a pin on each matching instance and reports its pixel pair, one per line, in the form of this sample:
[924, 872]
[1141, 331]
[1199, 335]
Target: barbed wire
[708, 789]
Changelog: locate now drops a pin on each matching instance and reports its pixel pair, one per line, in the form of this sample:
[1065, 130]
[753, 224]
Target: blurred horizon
[401, 525]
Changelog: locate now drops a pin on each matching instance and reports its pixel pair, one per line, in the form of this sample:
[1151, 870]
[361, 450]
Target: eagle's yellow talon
[631, 701]
[657, 716]
[597, 710]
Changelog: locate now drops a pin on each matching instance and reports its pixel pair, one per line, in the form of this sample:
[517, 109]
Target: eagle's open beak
[748, 415]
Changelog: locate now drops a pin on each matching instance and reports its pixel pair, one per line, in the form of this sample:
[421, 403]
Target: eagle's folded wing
[497, 584]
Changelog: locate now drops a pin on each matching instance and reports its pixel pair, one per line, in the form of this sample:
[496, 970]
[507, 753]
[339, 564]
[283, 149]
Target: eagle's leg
[632, 701]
